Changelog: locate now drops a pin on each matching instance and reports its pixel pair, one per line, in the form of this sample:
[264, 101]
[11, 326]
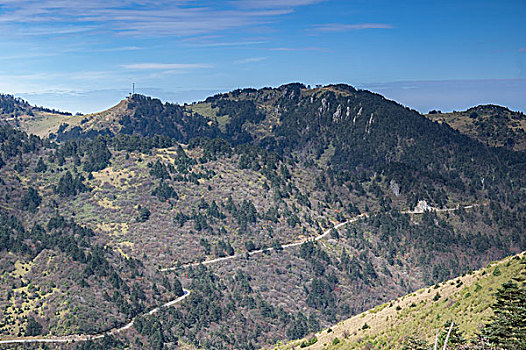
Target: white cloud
[118, 49]
[292, 49]
[165, 66]
[26, 55]
[227, 43]
[55, 30]
[265, 4]
[250, 60]
[57, 81]
[139, 17]
[342, 27]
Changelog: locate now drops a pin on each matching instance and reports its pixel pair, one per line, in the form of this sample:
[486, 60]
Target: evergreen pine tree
[31, 200]
[507, 329]
[41, 166]
[413, 343]
[33, 327]
[143, 215]
[456, 337]
[98, 156]
[65, 185]
[178, 287]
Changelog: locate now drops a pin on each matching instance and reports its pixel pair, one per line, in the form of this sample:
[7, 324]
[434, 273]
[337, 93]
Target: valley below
[254, 219]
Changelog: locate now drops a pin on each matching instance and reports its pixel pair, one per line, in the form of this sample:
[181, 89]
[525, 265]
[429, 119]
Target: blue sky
[80, 55]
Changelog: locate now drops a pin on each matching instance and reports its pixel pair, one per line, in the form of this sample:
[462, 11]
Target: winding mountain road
[323, 235]
[260, 251]
[86, 337]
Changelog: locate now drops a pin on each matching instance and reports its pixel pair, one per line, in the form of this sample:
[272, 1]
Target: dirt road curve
[294, 244]
[85, 337]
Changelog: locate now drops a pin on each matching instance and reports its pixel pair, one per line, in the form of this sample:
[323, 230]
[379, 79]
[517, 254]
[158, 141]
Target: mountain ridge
[262, 95]
[491, 124]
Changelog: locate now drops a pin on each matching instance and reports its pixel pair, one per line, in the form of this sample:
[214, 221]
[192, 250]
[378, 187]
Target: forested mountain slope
[411, 322]
[92, 214]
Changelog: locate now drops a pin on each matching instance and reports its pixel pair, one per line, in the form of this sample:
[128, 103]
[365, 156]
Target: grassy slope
[206, 110]
[466, 300]
[106, 119]
[33, 120]
[492, 124]
[44, 123]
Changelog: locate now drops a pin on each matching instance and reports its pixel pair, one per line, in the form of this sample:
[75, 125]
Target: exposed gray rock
[324, 106]
[337, 116]
[369, 123]
[357, 115]
[395, 188]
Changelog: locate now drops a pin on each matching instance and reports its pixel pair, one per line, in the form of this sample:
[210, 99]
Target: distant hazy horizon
[422, 96]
